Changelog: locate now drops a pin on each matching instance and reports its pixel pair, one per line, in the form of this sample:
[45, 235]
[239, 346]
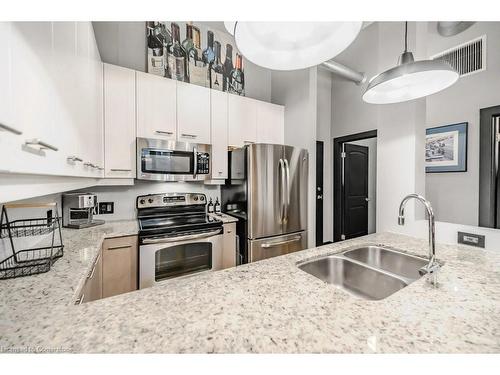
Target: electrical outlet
[471, 239]
[106, 208]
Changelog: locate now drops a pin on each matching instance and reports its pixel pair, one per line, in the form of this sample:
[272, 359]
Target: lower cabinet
[119, 265]
[229, 245]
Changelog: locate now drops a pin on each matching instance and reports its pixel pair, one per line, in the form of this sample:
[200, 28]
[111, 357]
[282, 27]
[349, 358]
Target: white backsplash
[124, 197]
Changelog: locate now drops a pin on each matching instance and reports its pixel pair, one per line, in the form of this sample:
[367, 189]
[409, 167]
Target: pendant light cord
[406, 36]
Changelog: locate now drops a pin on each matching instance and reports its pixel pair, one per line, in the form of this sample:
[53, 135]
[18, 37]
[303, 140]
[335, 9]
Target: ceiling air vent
[467, 58]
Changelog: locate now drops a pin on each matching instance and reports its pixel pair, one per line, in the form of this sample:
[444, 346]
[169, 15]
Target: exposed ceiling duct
[452, 28]
[344, 71]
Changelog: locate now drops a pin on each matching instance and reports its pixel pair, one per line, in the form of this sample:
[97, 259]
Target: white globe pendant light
[410, 79]
[229, 25]
[293, 45]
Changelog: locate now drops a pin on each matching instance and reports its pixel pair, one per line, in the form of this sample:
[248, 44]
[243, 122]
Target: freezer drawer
[273, 246]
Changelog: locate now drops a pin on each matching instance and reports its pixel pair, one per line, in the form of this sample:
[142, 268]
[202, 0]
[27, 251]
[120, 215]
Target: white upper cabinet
[119, 120]
[219, 123]
[9, 134]
[156, 107]
[193, 113]
[270, 123]
[242, 117]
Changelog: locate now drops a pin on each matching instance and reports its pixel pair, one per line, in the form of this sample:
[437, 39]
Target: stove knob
[195, 198]
[150, 200]
[142, 201]
[202, 198]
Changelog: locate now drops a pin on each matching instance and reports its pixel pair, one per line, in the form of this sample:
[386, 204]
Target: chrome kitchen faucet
[433, 266]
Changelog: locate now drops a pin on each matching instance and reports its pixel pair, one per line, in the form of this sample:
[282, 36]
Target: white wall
[323, 133]
[371, 143]
[297, 91]
[124, 44]
[455, 196]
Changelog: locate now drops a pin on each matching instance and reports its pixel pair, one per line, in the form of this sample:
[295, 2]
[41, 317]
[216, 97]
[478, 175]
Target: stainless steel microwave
[161, 160]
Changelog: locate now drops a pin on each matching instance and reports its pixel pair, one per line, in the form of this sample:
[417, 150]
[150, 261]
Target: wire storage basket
[30, 246]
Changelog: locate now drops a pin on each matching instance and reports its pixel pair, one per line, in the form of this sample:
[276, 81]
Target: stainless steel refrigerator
[267, 191]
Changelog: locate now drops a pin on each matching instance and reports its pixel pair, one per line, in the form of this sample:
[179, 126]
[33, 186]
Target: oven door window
[181, 260]
[167, 161]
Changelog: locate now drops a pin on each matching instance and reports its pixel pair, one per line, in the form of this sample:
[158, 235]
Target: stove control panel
[170, 200]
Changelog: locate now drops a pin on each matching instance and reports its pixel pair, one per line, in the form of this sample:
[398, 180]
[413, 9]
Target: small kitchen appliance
[78, 210]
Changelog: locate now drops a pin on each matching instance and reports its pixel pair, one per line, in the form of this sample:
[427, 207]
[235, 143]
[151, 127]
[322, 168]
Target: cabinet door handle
[120, 170]
[163, 132]
[74, 159]
[188, 135]
[119, 247]
[43, 145]
[79, 301]
[10, 129]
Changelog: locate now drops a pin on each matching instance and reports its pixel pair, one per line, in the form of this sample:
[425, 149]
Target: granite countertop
[225, 218]
[269, 306]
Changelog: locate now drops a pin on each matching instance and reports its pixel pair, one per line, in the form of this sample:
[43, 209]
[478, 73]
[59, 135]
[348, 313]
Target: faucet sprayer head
[401, 220]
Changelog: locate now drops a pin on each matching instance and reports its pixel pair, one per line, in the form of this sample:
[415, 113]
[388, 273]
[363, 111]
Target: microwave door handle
[181, 238]
[195, 163]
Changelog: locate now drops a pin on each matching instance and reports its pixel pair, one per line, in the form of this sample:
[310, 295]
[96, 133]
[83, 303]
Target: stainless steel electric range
[176, 237]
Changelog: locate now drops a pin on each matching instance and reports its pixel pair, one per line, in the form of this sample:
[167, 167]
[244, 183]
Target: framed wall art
[446, 148]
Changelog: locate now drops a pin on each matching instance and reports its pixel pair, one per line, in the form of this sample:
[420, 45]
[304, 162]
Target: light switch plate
[471, 239]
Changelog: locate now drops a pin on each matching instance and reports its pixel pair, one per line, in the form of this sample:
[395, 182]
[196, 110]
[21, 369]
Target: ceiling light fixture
[410, 79]
[229, 25]
[293, 45]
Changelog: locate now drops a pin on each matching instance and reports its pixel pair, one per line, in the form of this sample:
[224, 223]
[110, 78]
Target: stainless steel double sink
[371, 272]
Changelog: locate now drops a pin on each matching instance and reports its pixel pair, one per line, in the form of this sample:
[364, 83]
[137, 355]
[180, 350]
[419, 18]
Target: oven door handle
[181, 238]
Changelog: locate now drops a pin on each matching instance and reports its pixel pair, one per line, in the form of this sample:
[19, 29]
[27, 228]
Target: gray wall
[124, 44]
[455, 196]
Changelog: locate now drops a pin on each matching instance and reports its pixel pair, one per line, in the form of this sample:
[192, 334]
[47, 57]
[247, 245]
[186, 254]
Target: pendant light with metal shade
[410, 79]
[292, 45]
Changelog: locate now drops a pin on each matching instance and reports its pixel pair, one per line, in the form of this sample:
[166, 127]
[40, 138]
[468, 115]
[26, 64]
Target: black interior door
[355, 191]
[319, 192]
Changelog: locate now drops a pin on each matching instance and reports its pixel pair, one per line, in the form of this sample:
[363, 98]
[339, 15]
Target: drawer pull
[120, 170]
[74, 159]
[163, 132]
[272, 244]
[119, 247]
[188, 135]
[10, 129]
[43, 145]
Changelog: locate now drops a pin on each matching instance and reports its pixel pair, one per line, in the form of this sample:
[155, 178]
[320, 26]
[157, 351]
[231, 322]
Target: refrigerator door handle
[282, 192]
[287, 189]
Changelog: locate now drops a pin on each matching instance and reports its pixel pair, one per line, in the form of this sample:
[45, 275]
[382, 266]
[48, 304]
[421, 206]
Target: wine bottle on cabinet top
[176, 55]
[166, 39]
[217, 70]
[197, 68]
[228, 67]
[187, 45]
[208, 56]
[237, 77]
[156, 62]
